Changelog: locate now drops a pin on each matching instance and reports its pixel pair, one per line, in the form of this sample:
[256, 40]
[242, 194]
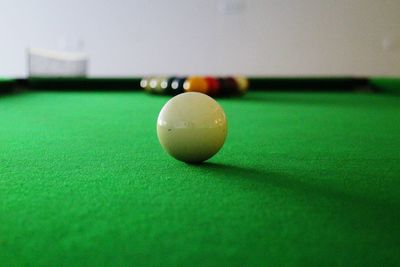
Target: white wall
[271, 37]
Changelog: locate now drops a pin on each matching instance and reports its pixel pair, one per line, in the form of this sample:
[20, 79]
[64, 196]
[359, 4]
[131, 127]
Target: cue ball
[192, 127]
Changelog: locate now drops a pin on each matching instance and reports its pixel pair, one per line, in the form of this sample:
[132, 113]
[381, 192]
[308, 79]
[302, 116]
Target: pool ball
[228, 86]
[168, 85]
[192, 127]
[156, 86]
[195, 84]
[243, 85]
[145, 83]
[213, 86]
[177, 85]
[164, 83]
[153, 83]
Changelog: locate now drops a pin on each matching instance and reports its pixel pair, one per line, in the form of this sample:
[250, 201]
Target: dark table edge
[383, 84]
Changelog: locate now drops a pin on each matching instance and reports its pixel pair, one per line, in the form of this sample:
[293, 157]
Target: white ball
[192, 127]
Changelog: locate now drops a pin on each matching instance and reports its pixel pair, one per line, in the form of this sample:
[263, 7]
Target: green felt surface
[304, 179]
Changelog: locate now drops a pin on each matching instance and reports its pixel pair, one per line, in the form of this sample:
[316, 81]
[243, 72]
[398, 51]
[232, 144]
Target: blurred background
[258, 37]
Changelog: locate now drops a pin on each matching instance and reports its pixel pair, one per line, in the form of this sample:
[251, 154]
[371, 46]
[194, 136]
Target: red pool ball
[213, 86]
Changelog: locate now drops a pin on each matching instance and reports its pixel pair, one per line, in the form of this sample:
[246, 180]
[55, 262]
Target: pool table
[305, 178]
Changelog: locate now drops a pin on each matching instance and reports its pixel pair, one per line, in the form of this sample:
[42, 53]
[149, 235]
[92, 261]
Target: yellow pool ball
[243, 84]
[196, 84]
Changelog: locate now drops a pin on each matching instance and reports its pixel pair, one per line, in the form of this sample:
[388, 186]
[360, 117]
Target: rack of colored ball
[212, 86]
